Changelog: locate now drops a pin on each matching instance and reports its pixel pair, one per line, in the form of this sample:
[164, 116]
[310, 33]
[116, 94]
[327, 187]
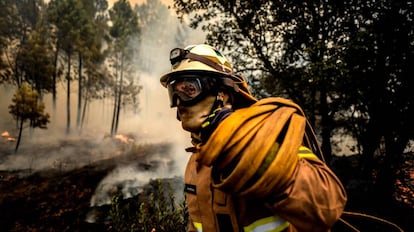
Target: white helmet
[205, 60]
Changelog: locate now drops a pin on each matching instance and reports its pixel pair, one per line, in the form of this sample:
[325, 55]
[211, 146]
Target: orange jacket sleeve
[315, 198]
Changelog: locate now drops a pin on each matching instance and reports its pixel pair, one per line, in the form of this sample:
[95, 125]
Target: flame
[123, 139]
[5, 134]
[9, 138]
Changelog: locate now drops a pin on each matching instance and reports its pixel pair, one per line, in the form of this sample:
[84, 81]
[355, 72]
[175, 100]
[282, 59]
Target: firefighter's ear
[220, 96]
[220, 99]
[225, 98]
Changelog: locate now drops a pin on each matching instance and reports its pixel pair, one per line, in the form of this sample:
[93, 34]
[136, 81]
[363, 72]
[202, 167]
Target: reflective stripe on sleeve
[198, 226]
[306, 153]
[268, 224]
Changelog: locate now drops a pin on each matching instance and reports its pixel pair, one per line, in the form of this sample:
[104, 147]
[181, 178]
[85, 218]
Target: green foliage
[36, 61]
[124, 23]
[17, 21]
[348, 63]
[124, 30]
[119, 214]
[157, 210]
[26, 106]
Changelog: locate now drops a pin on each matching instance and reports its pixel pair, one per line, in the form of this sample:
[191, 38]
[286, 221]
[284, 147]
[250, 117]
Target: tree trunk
[68, 97]
[86, 102]
[20, 135]
[326, 127]
[119, 97]
[55, 63]
[83, 112]
[80, 81]
[115, 102]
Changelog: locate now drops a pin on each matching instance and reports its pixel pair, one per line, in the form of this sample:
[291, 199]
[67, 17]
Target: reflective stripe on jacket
[270, 224]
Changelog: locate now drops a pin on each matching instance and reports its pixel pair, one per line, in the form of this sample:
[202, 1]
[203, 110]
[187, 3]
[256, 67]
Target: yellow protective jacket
[310, 197]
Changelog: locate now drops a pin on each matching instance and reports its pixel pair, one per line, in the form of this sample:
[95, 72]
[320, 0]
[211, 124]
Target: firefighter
[255, 164]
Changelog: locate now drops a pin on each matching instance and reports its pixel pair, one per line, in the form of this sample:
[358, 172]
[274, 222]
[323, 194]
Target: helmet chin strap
[217, 113]
[217, 105]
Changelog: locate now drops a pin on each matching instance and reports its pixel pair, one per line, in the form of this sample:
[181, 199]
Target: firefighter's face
[193, 116]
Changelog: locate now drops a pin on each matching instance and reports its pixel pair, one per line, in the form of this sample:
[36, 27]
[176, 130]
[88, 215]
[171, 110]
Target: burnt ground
[59, 198]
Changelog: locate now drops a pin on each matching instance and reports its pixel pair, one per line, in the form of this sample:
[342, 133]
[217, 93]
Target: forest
[349, 64]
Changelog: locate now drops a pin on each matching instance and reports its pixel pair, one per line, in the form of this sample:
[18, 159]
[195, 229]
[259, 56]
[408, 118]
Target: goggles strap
[204, 60]
[221, 68]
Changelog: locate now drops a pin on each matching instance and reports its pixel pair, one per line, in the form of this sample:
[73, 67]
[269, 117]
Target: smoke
[130, 180]
[157, 122]
[154, 123]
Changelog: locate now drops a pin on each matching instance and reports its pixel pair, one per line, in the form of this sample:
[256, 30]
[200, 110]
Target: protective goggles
[188, 89]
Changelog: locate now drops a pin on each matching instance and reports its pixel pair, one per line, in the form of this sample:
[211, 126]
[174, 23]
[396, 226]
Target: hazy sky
[133, 2]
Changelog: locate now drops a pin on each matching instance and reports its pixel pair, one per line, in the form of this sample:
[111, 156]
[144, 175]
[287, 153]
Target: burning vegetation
[7, 137]
[64, 196]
